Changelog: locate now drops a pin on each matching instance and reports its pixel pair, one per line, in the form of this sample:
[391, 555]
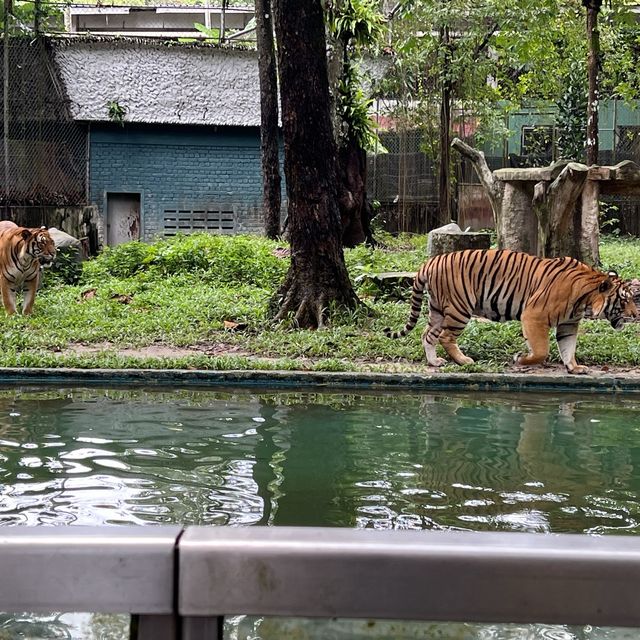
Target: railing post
[202, 628]
[154, 627]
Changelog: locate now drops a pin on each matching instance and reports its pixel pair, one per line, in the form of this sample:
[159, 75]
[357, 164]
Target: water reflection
[64, 626]
[418, 461]
[255, 628]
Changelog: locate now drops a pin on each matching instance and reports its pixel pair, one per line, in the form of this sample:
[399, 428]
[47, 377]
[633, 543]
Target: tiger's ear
[605, 285]
[26, 234]
[44, 228]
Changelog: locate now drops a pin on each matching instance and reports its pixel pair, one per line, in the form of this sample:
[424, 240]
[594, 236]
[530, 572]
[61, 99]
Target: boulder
[64, 240]
[451, 238]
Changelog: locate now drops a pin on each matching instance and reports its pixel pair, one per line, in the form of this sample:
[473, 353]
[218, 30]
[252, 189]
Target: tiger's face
[617, 302]
[41, 246]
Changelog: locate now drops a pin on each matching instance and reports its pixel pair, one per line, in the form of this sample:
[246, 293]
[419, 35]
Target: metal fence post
[204, 628]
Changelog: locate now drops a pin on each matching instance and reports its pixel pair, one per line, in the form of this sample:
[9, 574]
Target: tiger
[501, 285]
[23, 252]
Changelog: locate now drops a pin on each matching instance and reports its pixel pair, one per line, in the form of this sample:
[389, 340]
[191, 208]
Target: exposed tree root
[308, 306]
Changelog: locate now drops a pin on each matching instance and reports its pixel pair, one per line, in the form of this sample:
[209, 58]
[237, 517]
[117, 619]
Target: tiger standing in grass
[23, 252]
[506, 285]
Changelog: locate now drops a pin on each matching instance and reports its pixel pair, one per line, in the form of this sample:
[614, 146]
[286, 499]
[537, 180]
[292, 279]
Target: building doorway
[123, 218]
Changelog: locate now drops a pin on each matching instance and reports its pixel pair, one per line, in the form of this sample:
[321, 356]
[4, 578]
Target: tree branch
[484, 43]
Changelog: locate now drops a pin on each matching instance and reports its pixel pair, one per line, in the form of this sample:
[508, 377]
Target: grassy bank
[164, 305]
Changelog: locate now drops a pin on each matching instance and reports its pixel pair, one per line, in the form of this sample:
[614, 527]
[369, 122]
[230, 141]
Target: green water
[404, 461]
[538, 463]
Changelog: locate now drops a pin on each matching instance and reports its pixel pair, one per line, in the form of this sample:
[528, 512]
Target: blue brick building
[178, 178]
[173, 135]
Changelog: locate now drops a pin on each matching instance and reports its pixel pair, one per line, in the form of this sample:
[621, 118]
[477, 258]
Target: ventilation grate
[220, 220]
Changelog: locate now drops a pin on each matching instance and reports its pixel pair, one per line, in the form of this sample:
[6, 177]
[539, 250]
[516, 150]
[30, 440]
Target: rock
[452, 227]
[447, 239]
[394, 285]
[63, 240]
[69, 257]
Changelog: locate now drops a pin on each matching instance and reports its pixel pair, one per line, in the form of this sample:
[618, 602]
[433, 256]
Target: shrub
[228, 259]
[66, 268]
[122, 261]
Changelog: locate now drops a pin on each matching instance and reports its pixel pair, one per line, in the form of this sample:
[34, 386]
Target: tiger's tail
[417, 296]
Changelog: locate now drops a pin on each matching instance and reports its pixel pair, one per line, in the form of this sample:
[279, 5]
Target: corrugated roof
[160, 82]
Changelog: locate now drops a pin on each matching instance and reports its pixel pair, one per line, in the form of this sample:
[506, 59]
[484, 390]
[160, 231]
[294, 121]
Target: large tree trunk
[355, 211]
[593, 61]
[444, 174]
[318, 276]
[268, 119]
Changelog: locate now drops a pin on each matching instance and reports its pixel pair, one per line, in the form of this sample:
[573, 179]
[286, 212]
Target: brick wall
[179, 169]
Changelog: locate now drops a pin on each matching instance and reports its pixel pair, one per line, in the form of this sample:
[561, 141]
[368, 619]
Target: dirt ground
[218, 349]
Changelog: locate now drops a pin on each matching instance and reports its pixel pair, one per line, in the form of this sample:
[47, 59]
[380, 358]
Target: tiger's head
[39, 244]
[614, 301]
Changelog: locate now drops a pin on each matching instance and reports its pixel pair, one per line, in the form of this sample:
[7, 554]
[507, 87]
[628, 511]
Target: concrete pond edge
[330, 381]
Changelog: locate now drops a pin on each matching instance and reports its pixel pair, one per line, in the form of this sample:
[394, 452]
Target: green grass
[179, 293]
[621, 255]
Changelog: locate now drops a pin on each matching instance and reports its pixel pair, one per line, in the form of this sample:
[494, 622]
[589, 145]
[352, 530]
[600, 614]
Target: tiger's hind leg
[431, 335]
[449, 340]
[567, 338]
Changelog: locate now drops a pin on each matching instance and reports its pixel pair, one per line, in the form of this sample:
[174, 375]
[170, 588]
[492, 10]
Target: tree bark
[494, 188]
[318, 277]
[593, 61]
[355, 211]
[269, 151]
[444, 174]
[589, 230]
[554, 205]
[8, 8]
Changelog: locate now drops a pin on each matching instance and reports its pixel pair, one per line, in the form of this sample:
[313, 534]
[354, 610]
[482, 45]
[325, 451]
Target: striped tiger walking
[501, 285]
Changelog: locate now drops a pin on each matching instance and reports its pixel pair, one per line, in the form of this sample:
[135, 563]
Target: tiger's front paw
[578, 369]
[437, 362]
[526, 360]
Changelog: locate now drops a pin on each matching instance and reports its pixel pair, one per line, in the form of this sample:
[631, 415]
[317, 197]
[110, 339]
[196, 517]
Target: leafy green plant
[122, 261]
[608, 219]
[212, 35]
[572, 106]
[229, 259]
[116, 112]
[356, 24]
[66, 268]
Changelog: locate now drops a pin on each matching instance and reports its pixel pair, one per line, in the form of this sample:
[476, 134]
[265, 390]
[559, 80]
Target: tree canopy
[528, 50]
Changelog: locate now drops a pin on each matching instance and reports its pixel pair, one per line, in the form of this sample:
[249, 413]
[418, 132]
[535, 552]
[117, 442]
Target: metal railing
[180, 583]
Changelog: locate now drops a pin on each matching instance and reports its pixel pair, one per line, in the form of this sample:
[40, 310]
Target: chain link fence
[404, 179]
[44, 151]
